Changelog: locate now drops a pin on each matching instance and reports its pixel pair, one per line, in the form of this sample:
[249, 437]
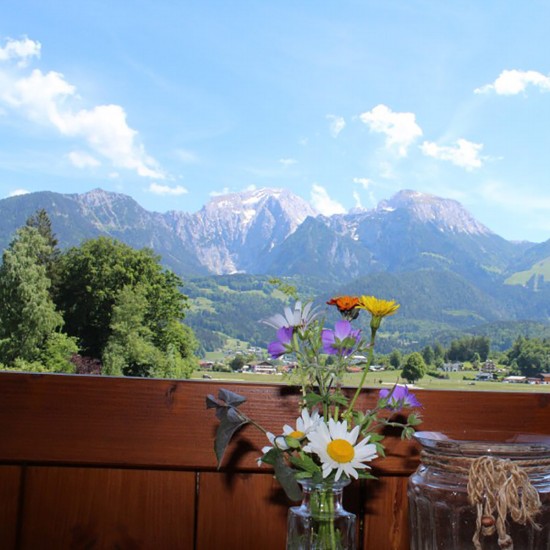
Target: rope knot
[498, 488]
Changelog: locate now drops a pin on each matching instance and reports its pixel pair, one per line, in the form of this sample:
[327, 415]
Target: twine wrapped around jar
[498, 488]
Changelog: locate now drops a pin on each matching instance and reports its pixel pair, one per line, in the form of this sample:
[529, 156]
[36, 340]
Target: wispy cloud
[20, 50]
[17, 192]
[513, 82]
[188, 157]
[81, 159]
[364, 182]
[167, 190]
[323, 203]
[288, 162]
[337, 124]
[46, 99]
[465, 154]
[400, 129]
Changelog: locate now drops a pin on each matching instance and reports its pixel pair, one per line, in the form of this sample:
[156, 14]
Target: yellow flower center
[296, 434]
[340, 450]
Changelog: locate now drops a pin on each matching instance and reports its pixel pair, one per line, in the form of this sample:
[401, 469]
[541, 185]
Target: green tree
[28, 317]
[395, 358]
[439, 351]
[94, 274]
[428, 355]
[414, 368]
[51, 255]
[237, 362]
[529, 356]
[126, 310]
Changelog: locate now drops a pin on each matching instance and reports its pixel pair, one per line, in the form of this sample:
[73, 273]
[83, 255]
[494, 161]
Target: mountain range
[428, 252]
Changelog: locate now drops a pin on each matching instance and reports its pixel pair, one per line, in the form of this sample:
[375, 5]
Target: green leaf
[312, 399]
[271, 456]
[292, 442]
[304, 462]
[285, 476]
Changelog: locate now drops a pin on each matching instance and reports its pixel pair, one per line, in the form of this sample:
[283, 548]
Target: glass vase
[488, 492]
[320, 522]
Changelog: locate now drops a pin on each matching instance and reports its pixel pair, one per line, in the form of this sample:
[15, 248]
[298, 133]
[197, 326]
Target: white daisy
[305, 423]
[337, 448]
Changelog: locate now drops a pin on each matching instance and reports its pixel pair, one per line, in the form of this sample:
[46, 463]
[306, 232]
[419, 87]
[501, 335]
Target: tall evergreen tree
[27, 313]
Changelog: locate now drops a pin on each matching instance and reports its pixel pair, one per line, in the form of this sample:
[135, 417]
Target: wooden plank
[386, 514]
[10, 481]
[163, 423]
[82, 508]
[241, 511]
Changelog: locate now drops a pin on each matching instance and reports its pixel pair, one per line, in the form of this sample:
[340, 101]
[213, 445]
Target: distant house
[265, 367]
[543, 378]
[206, 365]
[484, 376]
[515, 379]
[452, 367]
[488, 366]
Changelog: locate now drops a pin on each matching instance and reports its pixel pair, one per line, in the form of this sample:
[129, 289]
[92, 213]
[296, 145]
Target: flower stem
[349, 411]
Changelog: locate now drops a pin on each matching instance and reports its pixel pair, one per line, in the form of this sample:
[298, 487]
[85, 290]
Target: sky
[343, 102]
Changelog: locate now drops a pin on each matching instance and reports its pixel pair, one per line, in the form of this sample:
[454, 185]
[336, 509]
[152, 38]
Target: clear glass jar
[320, 522]
[441, 514]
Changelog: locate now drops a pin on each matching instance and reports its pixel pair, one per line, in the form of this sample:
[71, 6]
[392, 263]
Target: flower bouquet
[331, 440]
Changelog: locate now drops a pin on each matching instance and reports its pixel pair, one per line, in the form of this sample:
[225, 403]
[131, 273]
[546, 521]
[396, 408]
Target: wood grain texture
[385, 514]
[10, 481]
[241, 511]
[90, 508]
[113, 463]
[140, 422]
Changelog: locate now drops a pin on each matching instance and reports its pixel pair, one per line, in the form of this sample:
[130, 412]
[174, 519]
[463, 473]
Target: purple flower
[399, 397]
[341, 340]
[281, 345]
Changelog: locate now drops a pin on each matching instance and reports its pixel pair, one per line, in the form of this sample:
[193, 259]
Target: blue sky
[345, 103]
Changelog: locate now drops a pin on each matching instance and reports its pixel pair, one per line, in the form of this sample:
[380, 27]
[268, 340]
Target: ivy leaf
[230, 421]
[231, 398]
[228, 415]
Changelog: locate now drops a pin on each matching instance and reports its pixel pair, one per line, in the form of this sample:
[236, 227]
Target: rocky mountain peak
[446, 214]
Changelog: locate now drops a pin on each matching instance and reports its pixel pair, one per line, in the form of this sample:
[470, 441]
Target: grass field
[387, 378]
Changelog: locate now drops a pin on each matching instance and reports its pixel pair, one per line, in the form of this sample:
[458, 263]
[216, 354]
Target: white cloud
[45, 99]
[22, 50]
[400, 129]
[167, 190]
[250, 187]
[288, 162]
[337, 124]
[17, 192]
[364, 182]
[188, 157]
[323, 203]
[224, 191]
[357, 200]
[83, 160]
[513, 82]
[464, 154]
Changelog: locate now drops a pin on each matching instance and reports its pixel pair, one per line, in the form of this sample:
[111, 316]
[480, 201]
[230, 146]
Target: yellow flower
[378, 308]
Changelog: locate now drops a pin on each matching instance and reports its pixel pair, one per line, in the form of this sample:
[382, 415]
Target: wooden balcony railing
[110, 463]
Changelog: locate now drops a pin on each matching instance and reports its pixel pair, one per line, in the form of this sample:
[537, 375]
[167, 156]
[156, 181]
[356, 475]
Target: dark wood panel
[91, 508]
[386, 514]
[138, 422]
[10, 480]
[241, 511]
